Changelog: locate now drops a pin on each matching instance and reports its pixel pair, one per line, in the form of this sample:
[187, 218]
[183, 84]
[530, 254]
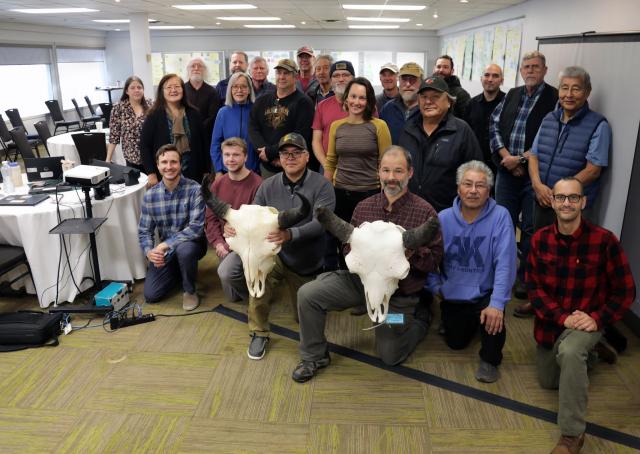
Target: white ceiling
[318, 14]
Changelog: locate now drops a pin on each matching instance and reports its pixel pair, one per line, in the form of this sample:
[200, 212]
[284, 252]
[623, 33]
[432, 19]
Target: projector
[86, 175]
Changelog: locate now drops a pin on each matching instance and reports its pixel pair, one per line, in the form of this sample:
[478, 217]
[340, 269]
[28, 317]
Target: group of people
[422, 148]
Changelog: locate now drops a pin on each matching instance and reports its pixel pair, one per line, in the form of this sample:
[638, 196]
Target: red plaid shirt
[586, 271]
[409, 211]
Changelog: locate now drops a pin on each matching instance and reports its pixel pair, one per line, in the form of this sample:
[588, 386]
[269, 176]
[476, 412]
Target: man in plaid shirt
[579, 282]
[175, 208]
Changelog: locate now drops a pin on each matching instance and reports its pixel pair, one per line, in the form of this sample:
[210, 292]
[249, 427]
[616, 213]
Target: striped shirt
[178, 215]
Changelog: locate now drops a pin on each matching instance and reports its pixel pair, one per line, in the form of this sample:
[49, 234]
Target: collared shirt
[586, 271]
[409, 211]
[517, 137]
[178, 215]
[125, 127]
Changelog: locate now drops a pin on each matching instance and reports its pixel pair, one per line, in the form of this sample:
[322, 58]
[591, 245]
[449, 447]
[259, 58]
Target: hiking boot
[523, 310]
[257, 346]
[190, 301]
[486, 373]
[306, 370]
[569, 445]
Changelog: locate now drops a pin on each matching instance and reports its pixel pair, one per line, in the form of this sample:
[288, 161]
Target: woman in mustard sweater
[356, 144]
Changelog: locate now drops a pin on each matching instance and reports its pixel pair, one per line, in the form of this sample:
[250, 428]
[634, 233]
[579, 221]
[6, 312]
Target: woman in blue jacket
[233, 121]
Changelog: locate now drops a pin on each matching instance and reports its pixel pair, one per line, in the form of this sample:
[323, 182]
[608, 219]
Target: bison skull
[252, 223]
[377, 255]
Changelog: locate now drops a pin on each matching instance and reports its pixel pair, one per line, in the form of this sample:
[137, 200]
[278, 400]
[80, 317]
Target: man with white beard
[397, 112]
[202, 96]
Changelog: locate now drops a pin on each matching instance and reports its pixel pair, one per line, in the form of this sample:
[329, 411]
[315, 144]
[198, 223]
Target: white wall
[556, 17]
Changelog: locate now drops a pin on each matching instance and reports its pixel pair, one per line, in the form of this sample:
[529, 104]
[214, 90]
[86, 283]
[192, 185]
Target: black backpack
[29, 329]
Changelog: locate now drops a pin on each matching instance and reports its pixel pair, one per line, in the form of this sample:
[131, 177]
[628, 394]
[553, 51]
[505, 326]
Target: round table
[63, 145]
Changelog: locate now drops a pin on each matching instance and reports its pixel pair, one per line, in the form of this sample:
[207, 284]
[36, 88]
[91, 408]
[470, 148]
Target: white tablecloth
[119, 253]
[62, 145]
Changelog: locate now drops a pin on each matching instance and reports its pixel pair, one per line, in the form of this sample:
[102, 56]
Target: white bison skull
[377, 254]
[252, 223]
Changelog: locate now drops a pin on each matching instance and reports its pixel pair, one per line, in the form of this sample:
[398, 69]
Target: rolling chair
[58, 118]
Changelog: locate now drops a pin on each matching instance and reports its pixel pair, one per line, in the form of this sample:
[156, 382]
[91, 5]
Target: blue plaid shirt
[178, 215]
[516, 139]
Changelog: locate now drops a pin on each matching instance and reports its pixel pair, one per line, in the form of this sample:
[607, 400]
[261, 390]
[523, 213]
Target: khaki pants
[259, 308]
[564, 367]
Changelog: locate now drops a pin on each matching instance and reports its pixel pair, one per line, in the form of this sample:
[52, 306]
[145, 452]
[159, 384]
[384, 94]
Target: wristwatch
[523, 159]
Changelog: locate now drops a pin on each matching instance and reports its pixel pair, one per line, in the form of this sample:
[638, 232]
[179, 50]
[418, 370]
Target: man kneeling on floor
[175, 208]
[579, 282]
[301, 256]
[338, 290]
[478, 270]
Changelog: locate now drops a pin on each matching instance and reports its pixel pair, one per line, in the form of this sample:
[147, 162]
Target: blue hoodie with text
[478, 257]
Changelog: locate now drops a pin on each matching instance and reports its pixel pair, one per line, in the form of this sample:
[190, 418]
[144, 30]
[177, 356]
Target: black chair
[43, 131]
[90, 145]
[6, 142]
[19, 137]
[16, 122]
[11, 257]
[106, 107]
[58, 118]
[86, 121]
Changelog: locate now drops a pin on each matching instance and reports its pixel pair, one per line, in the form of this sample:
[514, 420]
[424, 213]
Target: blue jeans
[516, 195]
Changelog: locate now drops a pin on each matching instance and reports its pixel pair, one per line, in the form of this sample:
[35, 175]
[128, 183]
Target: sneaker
[486, 373]
[523, 310]
[190, 301]
[257, 346]
[569, 445]
[306, 370]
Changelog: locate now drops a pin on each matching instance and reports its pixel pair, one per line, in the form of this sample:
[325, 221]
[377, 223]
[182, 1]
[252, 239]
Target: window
[25, 67]
[80, 72]
[373, 61]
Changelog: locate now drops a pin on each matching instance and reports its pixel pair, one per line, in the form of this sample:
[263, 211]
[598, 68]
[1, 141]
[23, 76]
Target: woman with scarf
[172, 120]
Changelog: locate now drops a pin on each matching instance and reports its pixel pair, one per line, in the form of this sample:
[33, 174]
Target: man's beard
[409, 96]
[196, 78]
[338, 90]
[400, 186]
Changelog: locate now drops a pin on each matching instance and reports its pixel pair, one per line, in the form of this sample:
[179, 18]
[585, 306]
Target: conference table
[63, 145]
[119, 254]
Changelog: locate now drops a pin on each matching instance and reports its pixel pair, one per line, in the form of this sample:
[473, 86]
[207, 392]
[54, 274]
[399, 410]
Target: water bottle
[16, 174]
[7, 182]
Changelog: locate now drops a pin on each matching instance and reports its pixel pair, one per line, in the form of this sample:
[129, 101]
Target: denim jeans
[516, 195]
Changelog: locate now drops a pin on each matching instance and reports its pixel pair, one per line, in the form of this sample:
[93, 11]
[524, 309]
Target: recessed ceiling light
[377, 19]
[249, 18]
[464, 1]
[216, 6]
[55, 10]
[303, 23]
[218, 23]
[379, 27]
[386, 7]
[117, 29]
[418, 25]
[117, 21]
[270, 26]
[170, 27]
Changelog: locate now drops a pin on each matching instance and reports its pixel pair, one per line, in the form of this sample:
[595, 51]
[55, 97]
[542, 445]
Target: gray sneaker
[257, 346]
[486, 373]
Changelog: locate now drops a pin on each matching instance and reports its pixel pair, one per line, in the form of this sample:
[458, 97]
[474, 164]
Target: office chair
[58, 118]
[90, 145]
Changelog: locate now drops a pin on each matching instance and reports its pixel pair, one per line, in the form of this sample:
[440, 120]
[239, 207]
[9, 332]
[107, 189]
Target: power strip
[117, 322]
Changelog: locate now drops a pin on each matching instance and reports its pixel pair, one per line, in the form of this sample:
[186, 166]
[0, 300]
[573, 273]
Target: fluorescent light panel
[117, 21]
[377, 19]
[170, 27]
[386, 7]
[220, 6]
[377, 27]
[270, 26]
[248, 18]
[55, 10]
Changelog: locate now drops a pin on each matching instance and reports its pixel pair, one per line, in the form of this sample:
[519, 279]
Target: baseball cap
[343, 65]
[293, 138]
[305, 50]
[434, 83]
[411, 69]
[287, 64]
[391, 67]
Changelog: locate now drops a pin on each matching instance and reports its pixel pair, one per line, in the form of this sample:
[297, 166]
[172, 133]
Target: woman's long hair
[367, 115]
[161, 103]
[125, 95]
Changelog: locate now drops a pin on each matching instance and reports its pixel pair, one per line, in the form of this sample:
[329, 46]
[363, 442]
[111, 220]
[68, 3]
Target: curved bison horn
[333, 224]
[422, 234]
[219, 208]
[292, 216]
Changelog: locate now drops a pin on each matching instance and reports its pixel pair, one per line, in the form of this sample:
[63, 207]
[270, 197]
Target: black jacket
[155, 133]
[437, 157]
[462, 96]
[478, 116]
[207, 101]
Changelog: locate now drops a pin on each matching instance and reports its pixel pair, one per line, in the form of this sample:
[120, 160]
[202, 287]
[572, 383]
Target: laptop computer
[44, 169]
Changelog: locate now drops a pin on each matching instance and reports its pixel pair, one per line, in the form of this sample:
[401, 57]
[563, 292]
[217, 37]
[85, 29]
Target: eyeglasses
[173, 87]
[239, 87]
[478, 186]
[573, 198]
[291, 154]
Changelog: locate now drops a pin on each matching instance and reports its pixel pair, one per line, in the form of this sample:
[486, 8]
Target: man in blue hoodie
[478, 269]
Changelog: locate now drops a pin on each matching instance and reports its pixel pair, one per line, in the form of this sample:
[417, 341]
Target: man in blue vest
[573, 141]
[513, 127]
